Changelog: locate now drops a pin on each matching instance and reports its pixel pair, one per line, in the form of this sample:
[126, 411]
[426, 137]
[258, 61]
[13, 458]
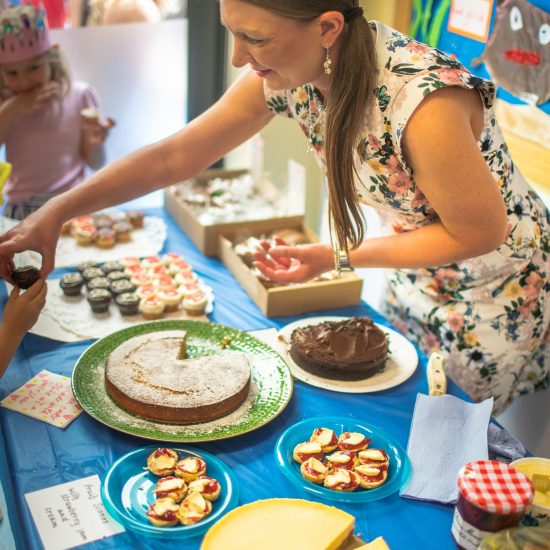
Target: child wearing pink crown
[51, 127]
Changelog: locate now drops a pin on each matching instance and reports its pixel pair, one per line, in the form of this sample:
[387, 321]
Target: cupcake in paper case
[121, 286]
[105, 238]
[140, 279]
[170, 257]
[129, 260]
[85, 235]
[117, 276]
[25, 276]
[99, 282]
[128, 303]
[179, 266]
[185, 277]
[90, 273]
[171, 298]
[83, 266]
[162, 282]
[99, 300]
[123, 231]
[150, 262]
[195, 304]
[151, 307]
[136, 218]
[71, 284]
[189, 288]
[146, 290]
[109, 267]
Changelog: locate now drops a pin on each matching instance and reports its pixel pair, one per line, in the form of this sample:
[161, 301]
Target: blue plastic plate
[127, 492]
[398, 472]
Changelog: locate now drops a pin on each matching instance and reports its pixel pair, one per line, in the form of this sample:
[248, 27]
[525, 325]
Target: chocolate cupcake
[81, 267]
[25, 276]
[99, 300]
[91, 273]
[109, 267]
[128, 303]
[121, 286]
[99, 282]
[71, 284]
[117, 276]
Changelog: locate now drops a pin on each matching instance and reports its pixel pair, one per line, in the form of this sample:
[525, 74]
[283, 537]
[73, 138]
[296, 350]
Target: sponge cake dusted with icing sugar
[145, 377]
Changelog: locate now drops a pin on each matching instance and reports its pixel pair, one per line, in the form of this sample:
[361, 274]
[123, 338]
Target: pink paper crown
[23, 33]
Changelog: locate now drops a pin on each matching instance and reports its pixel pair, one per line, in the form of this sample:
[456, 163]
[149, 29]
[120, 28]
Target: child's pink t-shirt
[44, 146]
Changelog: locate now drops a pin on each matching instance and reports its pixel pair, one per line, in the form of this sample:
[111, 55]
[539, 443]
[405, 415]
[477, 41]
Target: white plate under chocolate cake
[145, 377]
[350, 349]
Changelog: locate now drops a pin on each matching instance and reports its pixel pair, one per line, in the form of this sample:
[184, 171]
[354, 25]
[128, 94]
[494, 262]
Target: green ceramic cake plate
[271, 385]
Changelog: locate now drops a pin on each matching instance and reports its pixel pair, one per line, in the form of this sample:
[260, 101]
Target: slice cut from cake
[352, 349]
[281, 523]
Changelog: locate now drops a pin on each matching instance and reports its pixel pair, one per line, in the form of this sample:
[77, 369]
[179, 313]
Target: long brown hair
[350, 97]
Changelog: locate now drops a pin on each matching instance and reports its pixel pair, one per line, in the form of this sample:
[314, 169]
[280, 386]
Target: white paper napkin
[446, 433]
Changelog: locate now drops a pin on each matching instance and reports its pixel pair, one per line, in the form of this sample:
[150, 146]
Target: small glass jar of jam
[491, 496]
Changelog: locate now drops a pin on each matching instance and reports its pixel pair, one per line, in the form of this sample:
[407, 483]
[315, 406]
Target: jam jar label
[465, 534]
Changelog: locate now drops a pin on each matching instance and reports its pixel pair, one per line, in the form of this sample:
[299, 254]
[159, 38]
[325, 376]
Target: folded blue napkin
[446, 433]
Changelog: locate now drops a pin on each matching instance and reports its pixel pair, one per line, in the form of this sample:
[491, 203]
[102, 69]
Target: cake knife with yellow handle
[435, 372]
[5, 171]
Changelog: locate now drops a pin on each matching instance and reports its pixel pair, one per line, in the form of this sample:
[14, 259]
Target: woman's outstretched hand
[38, 232]
[293, 264]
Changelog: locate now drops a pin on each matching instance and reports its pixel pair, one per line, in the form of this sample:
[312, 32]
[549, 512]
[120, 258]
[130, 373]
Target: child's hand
[25, 102]
[22, 309]
[96, 132]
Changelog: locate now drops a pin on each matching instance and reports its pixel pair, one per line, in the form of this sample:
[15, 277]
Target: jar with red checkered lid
[491, 496]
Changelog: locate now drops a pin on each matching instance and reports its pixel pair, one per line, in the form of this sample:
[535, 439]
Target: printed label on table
[471, 18]
[71, 514]
[47, 397]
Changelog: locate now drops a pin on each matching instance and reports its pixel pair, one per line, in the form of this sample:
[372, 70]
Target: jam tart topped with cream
[342, 459]
[326, 438]
[341, 479]
[352, 441]
[193, 508]
[306, 450]
[314, 470]
[341, 462]
[208, 487]
[171, 487]
[190, 468]
[162, 461]
[163, 512]
[183, 495]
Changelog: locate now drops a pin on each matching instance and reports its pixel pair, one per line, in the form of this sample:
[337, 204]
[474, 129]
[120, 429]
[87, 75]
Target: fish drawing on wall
[517, 55]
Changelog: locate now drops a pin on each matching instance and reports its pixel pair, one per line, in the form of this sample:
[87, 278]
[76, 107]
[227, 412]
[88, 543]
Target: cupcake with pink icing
[171, 298]
[195, 304]
[151, 307]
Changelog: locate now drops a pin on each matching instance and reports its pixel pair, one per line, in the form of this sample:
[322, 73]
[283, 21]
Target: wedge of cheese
[376, 544]
[278, 523]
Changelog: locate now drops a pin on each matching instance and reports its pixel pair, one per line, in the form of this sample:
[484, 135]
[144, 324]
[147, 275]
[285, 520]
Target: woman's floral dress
[490, 315]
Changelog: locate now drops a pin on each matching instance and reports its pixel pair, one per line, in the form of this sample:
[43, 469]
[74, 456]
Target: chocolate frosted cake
[145, 377]
[352, 349]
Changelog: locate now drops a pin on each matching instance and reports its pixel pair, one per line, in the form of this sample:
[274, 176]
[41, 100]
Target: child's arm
[20, 314]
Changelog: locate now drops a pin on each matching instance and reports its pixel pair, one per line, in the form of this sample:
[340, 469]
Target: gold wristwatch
[341, 261]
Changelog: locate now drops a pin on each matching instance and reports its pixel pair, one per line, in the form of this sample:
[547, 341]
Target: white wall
[140, 73]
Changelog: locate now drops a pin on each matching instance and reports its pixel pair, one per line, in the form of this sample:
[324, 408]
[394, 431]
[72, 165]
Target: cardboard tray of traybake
[206, 237]
[289, 299]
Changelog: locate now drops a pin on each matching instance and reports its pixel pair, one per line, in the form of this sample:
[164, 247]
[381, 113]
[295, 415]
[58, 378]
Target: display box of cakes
[217, 202]
[328, 291]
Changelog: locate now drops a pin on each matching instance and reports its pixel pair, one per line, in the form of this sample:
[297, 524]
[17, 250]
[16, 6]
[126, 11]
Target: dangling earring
[327, 63]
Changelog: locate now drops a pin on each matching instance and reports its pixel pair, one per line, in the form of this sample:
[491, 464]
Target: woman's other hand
[294, 264]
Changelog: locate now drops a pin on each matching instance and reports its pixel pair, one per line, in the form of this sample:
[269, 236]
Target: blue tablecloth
[39, 455]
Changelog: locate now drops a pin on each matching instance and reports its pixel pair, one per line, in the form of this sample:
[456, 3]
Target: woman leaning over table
[398, 126]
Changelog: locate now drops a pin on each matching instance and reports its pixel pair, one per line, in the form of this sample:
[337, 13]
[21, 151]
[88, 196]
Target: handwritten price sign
[47, 397]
